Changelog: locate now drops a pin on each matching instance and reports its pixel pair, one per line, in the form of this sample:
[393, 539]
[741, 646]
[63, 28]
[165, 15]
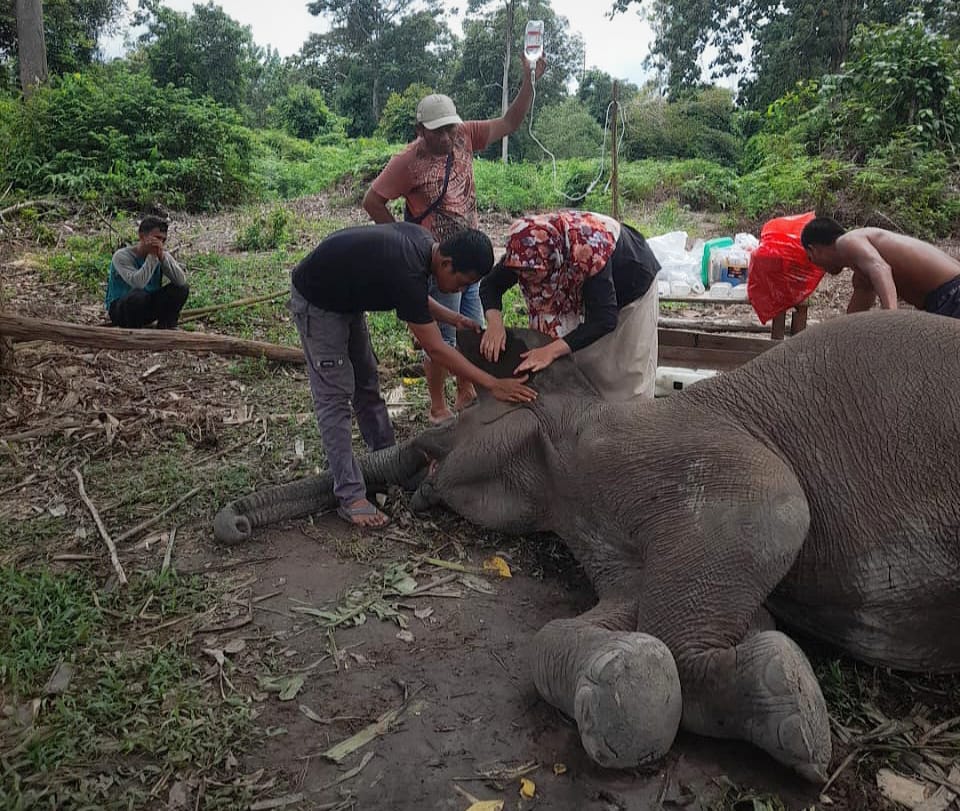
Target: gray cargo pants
[342, 368]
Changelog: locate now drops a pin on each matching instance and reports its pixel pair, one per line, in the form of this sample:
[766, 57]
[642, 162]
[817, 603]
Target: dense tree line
[855, 98]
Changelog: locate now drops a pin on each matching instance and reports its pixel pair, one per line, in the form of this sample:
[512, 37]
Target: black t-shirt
[370, 267]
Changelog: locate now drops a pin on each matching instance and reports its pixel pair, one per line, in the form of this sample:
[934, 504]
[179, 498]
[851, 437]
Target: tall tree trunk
[31, 48]
[505, 94]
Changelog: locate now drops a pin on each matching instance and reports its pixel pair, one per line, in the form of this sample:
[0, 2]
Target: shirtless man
[887, 265]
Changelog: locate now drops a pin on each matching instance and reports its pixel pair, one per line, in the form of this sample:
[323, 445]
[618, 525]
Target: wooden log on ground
[23, 328]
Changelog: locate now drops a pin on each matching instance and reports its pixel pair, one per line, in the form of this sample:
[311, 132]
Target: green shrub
[399, 116]
[568, 130]
[697, 183]
[303, 113]
[909, 187]
[286, 168]
[266, 231]
[788, 186]
[514, 187]
[111, 135]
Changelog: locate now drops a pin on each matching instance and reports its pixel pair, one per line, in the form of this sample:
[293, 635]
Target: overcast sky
[616, 46]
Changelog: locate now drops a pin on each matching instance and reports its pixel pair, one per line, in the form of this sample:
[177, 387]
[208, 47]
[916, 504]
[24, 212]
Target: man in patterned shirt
[434, 175]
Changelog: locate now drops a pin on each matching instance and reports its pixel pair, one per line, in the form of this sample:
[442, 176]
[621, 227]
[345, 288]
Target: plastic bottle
[710, 244]
[735, 270]
[533, 42]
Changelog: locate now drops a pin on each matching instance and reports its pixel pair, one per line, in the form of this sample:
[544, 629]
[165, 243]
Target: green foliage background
[199, 117]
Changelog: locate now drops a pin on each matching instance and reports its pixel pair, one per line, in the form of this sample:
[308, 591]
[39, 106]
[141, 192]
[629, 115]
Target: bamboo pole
[23, 328]
[197, 312]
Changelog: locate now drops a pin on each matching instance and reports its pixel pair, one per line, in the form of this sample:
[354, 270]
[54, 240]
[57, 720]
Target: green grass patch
[216, 279]
[85, 261]
[129, 716]
[153, 481]
[30, 532]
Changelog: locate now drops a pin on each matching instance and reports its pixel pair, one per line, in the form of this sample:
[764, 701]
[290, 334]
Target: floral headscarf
[553, 255]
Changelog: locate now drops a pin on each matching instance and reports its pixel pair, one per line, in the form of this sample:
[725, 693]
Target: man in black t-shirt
[379, 267]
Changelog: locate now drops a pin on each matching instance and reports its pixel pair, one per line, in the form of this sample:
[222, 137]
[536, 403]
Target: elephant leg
[620, 686]
[701, 585]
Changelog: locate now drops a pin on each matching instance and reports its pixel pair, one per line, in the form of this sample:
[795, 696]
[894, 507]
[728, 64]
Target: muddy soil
[470, 705]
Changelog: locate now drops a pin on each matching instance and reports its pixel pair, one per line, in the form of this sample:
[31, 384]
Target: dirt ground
[445, 672]
[470, 707]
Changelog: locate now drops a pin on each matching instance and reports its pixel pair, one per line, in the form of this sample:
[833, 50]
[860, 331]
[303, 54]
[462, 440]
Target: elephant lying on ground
[821, 480]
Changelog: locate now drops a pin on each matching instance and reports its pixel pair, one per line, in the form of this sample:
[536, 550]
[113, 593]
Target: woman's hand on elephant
[512, 390]
[535, 360]
[493, 342]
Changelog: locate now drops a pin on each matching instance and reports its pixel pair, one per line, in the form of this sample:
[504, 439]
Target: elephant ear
[560, 377]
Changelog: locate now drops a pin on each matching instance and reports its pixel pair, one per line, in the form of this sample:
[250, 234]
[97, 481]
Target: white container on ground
[720, 290]
[671, 379]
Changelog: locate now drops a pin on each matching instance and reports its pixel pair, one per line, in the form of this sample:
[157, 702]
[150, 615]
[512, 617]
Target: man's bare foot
[362, 513]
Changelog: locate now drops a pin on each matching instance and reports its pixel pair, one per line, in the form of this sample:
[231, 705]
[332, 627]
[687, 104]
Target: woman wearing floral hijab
[588, 282]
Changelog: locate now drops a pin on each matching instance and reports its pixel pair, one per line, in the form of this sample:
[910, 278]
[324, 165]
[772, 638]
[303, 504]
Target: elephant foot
[627, 703]
[762, 691]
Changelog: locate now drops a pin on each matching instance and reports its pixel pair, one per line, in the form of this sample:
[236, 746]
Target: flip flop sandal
[436, 422]
[349, 513]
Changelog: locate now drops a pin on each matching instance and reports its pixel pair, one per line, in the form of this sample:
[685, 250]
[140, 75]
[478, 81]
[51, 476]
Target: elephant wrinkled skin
[819, 482]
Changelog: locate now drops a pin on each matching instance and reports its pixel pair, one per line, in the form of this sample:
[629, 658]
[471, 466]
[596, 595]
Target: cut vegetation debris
[381, 727]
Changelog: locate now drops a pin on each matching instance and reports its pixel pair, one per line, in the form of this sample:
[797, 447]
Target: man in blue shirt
[136, 295]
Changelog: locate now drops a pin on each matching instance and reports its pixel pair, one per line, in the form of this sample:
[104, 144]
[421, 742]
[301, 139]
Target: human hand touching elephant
[535, 360]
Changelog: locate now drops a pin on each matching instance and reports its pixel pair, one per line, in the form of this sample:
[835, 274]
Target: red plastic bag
[780, 274]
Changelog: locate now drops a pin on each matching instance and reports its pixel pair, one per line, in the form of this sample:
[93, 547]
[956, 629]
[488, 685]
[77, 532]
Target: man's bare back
[917, 267]
[884, 264]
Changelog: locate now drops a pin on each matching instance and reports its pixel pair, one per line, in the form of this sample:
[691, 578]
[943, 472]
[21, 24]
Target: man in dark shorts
[380, 267]
[885, 265]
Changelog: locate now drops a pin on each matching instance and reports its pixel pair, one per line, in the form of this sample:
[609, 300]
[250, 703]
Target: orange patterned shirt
[417, 175]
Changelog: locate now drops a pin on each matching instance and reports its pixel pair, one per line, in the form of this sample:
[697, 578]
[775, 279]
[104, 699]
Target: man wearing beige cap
[434, 175]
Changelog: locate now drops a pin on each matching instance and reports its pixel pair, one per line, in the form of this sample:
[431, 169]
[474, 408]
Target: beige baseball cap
[437, 110]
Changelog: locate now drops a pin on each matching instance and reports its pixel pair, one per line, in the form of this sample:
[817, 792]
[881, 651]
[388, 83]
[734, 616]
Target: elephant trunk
[400, 464]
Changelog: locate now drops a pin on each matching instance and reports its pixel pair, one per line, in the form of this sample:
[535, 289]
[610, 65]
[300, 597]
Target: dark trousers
[342, 369]
[139, 308]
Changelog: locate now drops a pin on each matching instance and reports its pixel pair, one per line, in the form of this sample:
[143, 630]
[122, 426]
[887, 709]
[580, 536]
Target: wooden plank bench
[778, 327]
[689, 349]
[699, 350]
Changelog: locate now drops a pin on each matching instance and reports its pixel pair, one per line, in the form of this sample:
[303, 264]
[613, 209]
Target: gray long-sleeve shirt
[125, 263]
